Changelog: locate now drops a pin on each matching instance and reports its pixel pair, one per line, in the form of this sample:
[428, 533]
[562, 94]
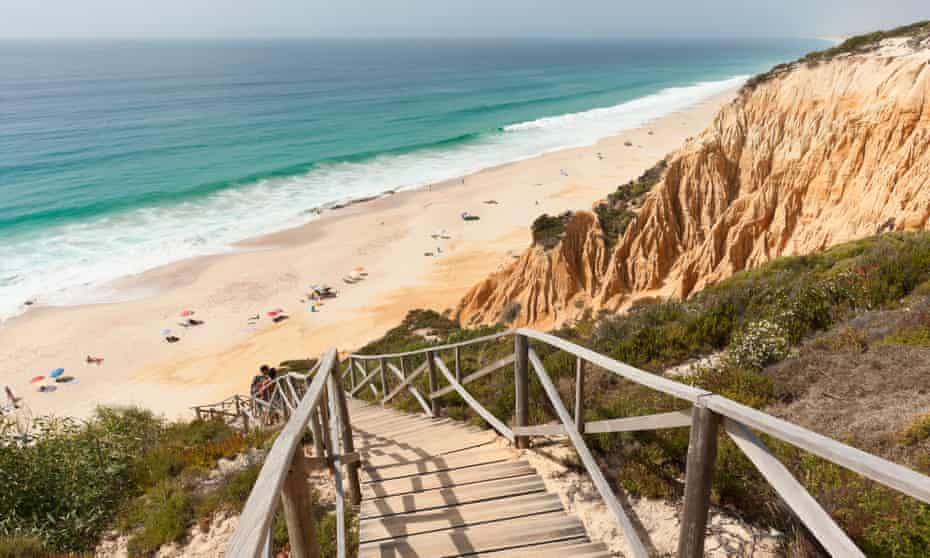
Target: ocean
[120, 156]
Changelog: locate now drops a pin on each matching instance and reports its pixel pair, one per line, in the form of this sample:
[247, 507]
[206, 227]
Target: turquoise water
[116, 157]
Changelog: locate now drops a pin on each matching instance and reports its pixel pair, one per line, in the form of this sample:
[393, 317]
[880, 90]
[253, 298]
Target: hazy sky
[261, 18]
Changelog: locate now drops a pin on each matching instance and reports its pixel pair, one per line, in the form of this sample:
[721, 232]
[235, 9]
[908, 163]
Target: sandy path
[388, 236]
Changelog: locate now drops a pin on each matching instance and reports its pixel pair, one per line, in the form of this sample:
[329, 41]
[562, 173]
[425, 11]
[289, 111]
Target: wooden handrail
[704, 416]
[285, 458]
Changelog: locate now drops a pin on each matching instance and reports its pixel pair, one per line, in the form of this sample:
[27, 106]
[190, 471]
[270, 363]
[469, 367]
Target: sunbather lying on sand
[94, 360]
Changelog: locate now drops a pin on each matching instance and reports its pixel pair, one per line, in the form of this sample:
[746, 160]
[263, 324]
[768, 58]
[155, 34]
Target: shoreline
[387, 233]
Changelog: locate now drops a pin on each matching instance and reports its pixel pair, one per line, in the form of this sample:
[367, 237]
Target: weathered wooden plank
[579, 395]
[347, 440]
[426, 521]
[674, 419]
[521, 387]
[561, 549]
[259, 509]
[431, 359]
[411, 389]
[482, 455]
[493, 367]
[653, 381]
[298, 510]
[820, 524]
[539, 430]
[702, 452]
[473, 403]
[880, 470]
[366, 379]
[522, 532]
[443, 479]
[336, 456]
[449, 497]
[407, 381]
[475, 341]
[603, 488]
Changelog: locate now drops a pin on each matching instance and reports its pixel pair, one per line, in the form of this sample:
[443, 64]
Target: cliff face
[816, 155]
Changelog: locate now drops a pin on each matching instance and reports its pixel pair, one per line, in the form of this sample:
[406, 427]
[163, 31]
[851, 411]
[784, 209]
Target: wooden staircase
[440, 488]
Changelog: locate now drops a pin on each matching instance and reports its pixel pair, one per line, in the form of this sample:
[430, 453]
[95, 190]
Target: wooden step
[451, 517]
[481, 455]
[445, 479]
[566, 549]
[509, 534]
[455, 496]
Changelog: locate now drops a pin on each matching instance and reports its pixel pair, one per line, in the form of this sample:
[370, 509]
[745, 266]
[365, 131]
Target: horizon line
[167, 38]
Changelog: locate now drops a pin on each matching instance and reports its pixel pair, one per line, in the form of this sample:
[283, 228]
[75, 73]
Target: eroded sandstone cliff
[817, 154]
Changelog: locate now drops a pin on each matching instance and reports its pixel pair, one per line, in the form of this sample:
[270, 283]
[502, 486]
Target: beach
[389, 236]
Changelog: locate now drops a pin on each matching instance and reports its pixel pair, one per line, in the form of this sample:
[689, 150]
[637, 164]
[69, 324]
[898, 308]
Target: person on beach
[257, 380]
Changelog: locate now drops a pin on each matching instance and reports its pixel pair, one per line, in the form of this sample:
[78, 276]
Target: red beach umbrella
[187, 313]
[36, 379]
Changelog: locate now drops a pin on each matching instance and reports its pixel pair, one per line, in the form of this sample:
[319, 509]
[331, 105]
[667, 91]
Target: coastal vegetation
[128, 470]
[125, 468]
[808, 338]
[617, 211]
[856, 44]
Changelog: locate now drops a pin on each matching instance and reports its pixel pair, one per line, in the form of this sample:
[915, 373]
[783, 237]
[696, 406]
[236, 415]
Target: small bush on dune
[168, 512]
[762, 343]
[22, 547]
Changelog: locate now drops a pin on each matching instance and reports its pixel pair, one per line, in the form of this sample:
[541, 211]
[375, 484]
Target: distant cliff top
[911, 37]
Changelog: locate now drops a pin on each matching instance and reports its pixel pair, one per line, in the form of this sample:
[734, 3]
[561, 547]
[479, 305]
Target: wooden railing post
[520, 375]
[298, 509]
[458, 365]
[352, 371]
[384, 387]
[317, 429]
[579, 395]
[702, 452]
[433, 383]
[348, 443]
[323, 410]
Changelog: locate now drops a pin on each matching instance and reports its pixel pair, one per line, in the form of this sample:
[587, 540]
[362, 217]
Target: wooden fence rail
[283, 477]
[318, 400]
[707, 414]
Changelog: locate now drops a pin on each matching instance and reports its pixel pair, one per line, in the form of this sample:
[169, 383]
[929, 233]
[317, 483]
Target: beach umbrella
[165, 332]
[187, 313]
[36, 379]
[56, 372]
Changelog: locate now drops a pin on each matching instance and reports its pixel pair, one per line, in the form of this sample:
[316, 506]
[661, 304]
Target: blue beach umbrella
[56, 372]
[165, 332]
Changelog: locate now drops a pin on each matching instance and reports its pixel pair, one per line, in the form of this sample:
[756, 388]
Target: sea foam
[73, 263]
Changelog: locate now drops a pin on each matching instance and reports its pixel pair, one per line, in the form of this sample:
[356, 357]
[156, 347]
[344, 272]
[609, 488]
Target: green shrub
[916, 432]
[918, 336]
[762, 343]
[74, 479]
[22, 547]
[548, 230]
[168, 513]
[617, 211]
